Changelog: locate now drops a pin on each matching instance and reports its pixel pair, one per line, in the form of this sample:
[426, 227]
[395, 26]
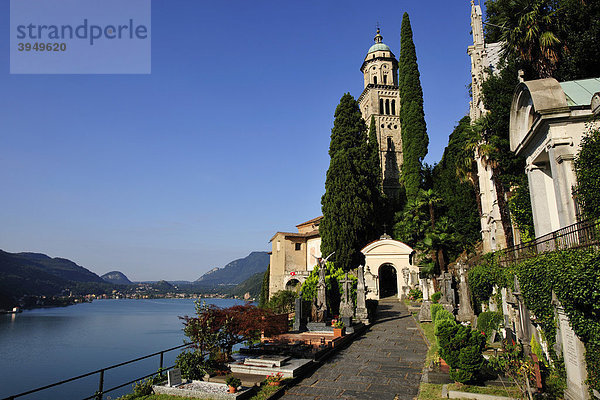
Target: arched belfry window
[380, 106]
[387, 106]
[375, 80]
[393, 107]
[384, 79]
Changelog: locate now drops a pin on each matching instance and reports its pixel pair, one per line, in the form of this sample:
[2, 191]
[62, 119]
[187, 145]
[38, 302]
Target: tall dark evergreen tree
[412, 116]
[458, 198]
[349, 203]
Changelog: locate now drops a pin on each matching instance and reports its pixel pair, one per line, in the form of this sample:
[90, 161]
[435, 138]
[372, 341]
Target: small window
[298, 246]
[387, 106]
[393, 107]
[389, 142]
[375, 80]
[385, 79]
[381, 107]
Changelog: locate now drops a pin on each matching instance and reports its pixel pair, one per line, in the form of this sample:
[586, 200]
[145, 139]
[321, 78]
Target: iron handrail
[101, 391]
[580, 234]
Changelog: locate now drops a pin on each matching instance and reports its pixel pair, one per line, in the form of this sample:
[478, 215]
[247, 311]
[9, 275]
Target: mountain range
[40, 275]
[236, 271]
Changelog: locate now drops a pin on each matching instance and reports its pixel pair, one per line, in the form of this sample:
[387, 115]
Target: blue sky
[164, 176]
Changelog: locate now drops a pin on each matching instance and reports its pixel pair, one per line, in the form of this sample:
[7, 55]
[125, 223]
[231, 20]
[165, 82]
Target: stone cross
[346, 306]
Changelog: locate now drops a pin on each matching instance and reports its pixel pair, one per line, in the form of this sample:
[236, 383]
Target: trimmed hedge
[460, 346]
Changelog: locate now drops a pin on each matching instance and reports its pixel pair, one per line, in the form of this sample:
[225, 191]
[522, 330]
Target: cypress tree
[264, 290]
[412, 116]
[348, 203]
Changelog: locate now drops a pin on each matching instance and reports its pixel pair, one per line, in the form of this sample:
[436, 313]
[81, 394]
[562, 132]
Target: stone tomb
[203, 390]
[271, 364]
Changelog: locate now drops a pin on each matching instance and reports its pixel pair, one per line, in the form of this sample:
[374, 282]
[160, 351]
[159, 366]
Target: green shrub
[436, 297]
[435, 308]
[191, 364]
[489, 321]
[461, 347]
[587, 169]
[233, 381]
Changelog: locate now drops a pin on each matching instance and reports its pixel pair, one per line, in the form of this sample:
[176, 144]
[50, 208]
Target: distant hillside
[251, 285]
[39, 275]
[60, 267]
[236, 271]
[116, 277]
[19, 276]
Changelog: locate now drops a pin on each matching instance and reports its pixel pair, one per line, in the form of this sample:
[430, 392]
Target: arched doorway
[293, 285]
[388, 281]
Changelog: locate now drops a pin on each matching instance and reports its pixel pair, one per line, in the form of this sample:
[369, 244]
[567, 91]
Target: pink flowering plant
[278, 377]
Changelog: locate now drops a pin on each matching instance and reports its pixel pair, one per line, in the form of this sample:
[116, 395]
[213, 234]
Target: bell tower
[381, 98]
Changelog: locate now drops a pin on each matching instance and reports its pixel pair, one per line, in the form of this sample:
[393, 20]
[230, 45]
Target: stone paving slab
[384, 363]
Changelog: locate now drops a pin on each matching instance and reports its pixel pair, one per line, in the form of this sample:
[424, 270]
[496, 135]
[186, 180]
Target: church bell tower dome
[381, 99]
[379, 45]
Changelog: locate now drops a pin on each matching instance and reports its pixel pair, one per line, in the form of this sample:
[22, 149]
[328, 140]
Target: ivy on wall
[573, 275]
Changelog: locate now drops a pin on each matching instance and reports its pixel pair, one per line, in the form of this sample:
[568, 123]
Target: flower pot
[276, 383]
[338, 332]
[232, 389]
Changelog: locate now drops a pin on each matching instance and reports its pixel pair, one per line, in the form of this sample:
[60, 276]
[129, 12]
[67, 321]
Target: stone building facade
[381, 99]
[293, 256]
[547, 121]
[484, 57]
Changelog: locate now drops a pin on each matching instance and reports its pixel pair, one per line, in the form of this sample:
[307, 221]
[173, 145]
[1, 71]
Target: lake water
[43, 346]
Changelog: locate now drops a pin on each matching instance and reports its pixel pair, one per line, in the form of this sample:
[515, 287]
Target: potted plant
[338, 328]
[275, 379]
[233, 383]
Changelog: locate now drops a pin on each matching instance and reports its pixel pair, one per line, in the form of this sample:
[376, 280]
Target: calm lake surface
[43, 346]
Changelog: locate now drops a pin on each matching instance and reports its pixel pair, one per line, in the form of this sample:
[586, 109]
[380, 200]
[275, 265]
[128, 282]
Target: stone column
[561, 164]
[543, 202]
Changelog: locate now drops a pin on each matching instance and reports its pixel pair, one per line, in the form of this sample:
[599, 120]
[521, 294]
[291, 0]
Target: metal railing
[98, 395]
[581, 234]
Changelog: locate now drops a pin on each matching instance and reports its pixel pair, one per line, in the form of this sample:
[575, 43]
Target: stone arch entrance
[388, 280]
[388, 269]
[293, 284]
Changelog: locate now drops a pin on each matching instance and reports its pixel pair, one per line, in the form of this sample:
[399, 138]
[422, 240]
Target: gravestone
[425, 311]
[574, 356]
[361, 296]
[465, 311]
[406, 286]
[346, 306]
[300, 319]
[174, 377]
[447, 290]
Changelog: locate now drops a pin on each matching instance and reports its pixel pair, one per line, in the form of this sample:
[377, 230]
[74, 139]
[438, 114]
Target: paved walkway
[384, 363]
